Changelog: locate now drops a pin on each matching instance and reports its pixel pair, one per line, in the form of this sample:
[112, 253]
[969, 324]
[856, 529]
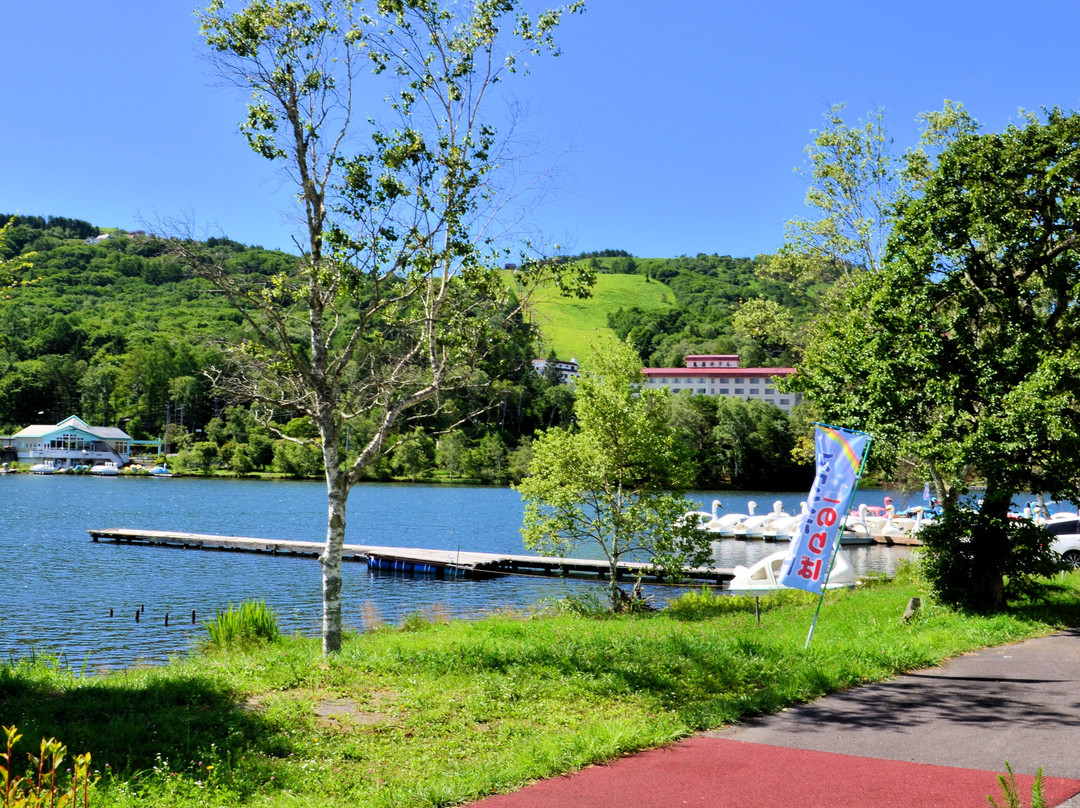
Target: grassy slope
[442, 714]
[568, 324]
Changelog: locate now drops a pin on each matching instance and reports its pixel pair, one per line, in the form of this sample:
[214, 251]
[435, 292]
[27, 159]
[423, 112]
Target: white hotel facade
[720, 375]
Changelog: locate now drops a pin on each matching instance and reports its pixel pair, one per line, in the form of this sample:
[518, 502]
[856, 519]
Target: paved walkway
[929, 739]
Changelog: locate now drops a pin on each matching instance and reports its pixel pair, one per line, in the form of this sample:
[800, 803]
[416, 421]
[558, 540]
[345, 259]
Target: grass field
[569, 324]
[437, 714]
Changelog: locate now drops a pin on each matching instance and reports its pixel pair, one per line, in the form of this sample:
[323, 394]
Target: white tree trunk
[337, 495]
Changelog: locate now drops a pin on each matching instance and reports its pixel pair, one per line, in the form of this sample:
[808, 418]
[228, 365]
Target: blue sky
[676, 126]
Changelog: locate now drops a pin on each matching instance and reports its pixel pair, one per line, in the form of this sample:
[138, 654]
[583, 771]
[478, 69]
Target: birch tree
[397, 296]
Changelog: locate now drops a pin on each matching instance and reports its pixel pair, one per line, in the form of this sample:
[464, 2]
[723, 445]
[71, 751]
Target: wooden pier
[446, 563]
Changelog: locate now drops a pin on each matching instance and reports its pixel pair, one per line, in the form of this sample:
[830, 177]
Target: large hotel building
[720, 375]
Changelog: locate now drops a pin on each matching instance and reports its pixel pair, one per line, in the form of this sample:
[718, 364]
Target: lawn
[568, 324]
[440, 713]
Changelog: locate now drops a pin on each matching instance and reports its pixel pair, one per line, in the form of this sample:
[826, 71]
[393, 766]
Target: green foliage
[487, 461]
[708, 291]
[1010, 792]
[960, 351]
[397, 300]
[966, 555]
[463, 709]
[588, 604]
[450, 452]
[298, 460]
[116, 340]
[250, 622]
[705, 603]
[615, 481]
[13, 264]
[415, 455]
[43, 785]
[854, 182]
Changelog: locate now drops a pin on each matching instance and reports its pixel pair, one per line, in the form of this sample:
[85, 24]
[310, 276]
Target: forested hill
[108, 325]
[113, 330]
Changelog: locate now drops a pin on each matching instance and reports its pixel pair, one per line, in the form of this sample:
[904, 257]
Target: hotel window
[738, 391]
[755, 381]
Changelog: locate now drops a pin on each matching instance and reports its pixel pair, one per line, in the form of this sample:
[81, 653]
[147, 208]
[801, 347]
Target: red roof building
[720, 375]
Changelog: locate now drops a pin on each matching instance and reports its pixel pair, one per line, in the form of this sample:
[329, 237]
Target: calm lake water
[60, 586]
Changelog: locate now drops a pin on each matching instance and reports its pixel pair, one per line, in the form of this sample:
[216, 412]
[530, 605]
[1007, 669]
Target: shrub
[250, 622]
[41, 786]
[965, 554]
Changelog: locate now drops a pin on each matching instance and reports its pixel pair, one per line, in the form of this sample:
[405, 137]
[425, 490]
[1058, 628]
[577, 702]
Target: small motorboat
[764, 576]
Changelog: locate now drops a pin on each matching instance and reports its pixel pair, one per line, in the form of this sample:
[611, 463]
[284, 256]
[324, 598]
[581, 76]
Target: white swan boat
[764, 576]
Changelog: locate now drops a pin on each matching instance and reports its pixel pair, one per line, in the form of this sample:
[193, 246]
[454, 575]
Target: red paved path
[719, 773]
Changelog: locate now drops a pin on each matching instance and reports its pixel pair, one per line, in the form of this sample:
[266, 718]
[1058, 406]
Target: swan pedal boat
[764, 576]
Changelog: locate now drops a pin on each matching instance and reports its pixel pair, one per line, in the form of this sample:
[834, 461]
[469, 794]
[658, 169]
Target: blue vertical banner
[840, 454]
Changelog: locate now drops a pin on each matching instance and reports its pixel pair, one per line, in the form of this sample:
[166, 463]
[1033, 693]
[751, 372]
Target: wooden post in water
[136, 615]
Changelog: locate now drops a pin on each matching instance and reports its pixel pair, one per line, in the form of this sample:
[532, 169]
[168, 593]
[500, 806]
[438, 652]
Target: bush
[251, 622]
[41, 786]
[966, 555]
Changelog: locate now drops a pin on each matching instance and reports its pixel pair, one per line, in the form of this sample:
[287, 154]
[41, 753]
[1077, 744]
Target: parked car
[1062, 523]
[1067, 546]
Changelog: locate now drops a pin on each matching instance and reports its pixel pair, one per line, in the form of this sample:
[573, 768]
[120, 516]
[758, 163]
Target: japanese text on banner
[839, 456]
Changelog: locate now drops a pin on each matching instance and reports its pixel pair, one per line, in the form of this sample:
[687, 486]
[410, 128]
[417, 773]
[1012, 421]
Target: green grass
[569, 324]
[251, 622]
[443, 713]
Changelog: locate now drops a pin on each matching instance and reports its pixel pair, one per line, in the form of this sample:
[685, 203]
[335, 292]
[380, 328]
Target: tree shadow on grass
[127, 720]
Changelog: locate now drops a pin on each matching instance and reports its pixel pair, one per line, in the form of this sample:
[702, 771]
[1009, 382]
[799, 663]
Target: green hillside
[567, 325]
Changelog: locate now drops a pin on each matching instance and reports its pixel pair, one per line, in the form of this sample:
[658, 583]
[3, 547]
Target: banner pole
[839, 534]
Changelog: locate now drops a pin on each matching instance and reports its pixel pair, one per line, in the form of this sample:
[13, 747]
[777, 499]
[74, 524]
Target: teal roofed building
[72, 442]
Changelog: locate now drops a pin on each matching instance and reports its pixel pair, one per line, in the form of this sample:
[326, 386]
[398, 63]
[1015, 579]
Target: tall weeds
[251, 622]
[40, 787]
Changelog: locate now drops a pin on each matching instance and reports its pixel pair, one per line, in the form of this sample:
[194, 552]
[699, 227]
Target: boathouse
[720, 375]
[71, 443]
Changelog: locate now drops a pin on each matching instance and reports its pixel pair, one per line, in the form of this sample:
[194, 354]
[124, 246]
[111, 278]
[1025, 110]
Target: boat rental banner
[840, 454]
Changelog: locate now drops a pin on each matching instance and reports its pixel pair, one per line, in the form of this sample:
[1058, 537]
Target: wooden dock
[446, 563]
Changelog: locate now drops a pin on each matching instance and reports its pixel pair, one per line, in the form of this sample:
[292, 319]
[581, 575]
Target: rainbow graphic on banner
[848, 450]
[839, 455]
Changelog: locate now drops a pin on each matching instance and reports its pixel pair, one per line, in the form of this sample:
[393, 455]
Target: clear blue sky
[679, 123]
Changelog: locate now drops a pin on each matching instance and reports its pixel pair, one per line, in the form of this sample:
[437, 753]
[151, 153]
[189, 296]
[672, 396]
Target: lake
[61, 586]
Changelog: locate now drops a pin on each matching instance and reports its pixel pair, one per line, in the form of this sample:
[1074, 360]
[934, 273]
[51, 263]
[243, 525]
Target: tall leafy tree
[855, 178]
[13, 266]
[397, 296]
[963, 350]
[615, 480]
